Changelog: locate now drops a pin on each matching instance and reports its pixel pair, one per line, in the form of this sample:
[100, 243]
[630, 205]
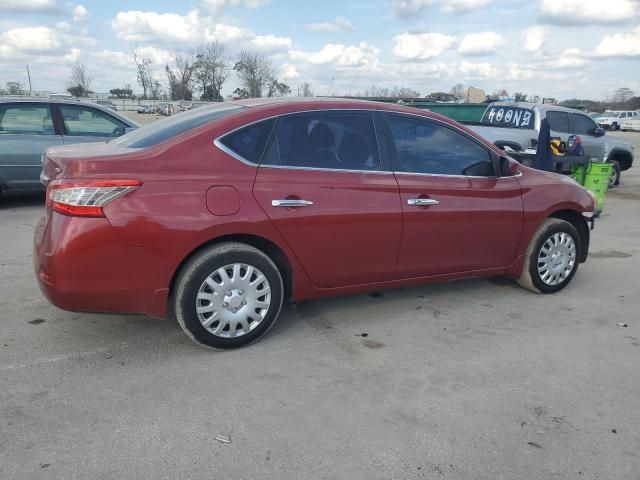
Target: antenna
[330, 87]
[29, 75]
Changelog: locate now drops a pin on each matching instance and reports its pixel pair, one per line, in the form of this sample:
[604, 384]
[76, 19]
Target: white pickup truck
[516, 125]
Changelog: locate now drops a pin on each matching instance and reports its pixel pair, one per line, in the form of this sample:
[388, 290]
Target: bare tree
[181, 76]
[458, 91]
[80, 81]
[278, 89]
[621, 95]
[520, 97]
[255, 72]
[211, 69]
[304, 90]
[144, 75]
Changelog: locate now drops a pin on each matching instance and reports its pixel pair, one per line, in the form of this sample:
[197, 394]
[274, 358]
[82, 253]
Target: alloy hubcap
[557, 258]
[233, 300]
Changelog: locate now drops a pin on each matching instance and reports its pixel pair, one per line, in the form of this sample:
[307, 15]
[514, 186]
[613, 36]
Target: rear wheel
[552, 257]
[228, 296]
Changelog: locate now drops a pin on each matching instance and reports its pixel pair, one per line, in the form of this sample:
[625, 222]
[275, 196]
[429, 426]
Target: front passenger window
[424, 146]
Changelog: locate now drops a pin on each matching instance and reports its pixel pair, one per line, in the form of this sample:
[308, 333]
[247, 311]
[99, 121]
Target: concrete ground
[469, 380]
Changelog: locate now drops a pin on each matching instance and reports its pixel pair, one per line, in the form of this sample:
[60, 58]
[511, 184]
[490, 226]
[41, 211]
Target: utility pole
[29, 75]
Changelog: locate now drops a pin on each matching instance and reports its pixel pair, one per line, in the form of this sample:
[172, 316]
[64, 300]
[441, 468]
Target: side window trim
[218, 142]
[394, 156]
[376, 131]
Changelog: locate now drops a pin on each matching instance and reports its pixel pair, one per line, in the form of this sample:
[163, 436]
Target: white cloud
[619, 45]
[135, 25]
[421, 46]
[409, 8]
[80, 13]
[567, 58]
[289, 71]
[462, 6]
[339, 55]
[483, 43]
[29, 39]
[216, 6]
[30, 6]
[534, 38]
[41, 44]
[583, 12]
[172, 29]
[340, 23]
[478, 70]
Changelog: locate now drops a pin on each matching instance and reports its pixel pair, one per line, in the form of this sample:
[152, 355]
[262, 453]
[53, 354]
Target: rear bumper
[82, 265]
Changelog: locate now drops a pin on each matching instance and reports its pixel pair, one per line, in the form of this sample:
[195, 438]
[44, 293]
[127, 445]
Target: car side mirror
[596, 132]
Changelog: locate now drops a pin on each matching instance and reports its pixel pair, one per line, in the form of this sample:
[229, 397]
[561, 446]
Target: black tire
[614, 181]
[615, 126]
[192, 277]
[530, 277]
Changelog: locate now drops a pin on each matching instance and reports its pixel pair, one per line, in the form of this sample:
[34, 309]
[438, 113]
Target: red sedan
[223, 213]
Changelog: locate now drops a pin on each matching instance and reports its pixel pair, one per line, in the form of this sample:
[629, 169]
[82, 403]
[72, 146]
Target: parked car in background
[29, 127]
[61, 96]
[284, 199]
[108, 104]
[632, 123]
[612, 120]
[517, 124]
[145, 109]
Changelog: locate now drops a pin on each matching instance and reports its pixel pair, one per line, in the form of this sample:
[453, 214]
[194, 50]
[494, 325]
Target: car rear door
[324, 187]
[84, 123]
[458, 216]
[26, 131]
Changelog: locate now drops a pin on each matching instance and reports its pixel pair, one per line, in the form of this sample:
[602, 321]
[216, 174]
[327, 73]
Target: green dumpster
[595, 178]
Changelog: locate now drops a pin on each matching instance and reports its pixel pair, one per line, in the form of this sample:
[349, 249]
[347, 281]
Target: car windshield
[506, 116]
[612, 114]
[162, 130]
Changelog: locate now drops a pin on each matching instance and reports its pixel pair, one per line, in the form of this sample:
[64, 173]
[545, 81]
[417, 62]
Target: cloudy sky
[558, 48]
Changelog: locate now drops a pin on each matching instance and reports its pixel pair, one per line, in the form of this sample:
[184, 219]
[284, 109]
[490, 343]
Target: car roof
[70, 102]
[544, 107]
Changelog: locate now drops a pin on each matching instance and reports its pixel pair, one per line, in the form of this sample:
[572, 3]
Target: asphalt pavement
[475, 379]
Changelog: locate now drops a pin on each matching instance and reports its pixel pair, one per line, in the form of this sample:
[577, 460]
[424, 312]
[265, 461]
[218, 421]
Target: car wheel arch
[269, 248]
[623, 158]
[578, 221]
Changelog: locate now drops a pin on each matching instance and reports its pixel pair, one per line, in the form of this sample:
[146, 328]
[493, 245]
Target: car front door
[84, 123]
[583, 126]
[458, 216]
[26, 131]
[324, 187]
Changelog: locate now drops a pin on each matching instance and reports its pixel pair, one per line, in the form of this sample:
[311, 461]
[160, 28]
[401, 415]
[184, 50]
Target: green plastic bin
[595, 178]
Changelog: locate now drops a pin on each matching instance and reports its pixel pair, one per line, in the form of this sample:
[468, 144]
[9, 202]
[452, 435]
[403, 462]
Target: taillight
[86, 198]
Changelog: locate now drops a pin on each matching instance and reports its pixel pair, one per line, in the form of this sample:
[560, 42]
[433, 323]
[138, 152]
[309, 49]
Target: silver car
[29, 127]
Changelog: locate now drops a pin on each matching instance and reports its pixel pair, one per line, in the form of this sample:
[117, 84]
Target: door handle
[422, 202]
[290, 202]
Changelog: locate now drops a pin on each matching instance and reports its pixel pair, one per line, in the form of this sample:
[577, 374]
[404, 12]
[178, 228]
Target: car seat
[354, 152]
[320, 140]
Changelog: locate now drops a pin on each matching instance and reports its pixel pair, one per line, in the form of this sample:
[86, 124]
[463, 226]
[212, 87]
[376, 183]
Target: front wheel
[228, 296]
[552, 257]
[614, 176]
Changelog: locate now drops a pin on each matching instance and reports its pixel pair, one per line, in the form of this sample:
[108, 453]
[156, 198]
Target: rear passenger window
[332, 140]
[558, 121]
[423, 146]
[249, 142]
[32, 119]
